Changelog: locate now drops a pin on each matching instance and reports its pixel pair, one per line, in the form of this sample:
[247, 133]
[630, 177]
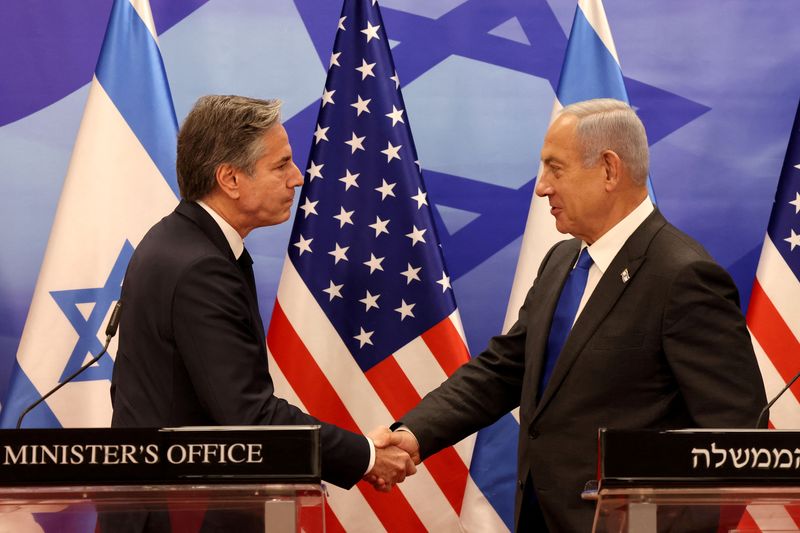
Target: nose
[543, 185]
[297, 179]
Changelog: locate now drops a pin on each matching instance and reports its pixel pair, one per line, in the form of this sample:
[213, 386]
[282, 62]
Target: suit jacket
[192, 348]
[669, 348]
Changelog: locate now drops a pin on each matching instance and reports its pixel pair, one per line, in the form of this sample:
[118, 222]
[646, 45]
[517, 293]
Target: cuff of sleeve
[371, 455]
[405, 428]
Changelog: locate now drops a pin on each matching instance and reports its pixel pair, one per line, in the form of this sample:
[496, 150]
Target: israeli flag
[121, 180]
[590, 70]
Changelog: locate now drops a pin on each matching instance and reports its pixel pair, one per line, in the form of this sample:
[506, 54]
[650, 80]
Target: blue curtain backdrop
[717, 84]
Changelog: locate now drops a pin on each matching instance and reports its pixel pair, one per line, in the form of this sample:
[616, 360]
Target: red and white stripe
[312, 368]
[773, 317]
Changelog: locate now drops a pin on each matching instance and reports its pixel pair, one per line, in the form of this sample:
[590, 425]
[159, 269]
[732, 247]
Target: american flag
[773, 316]
[365, 321]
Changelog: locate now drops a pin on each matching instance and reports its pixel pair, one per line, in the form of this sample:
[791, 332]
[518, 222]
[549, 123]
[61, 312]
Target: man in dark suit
[192, 347]
[654, 339]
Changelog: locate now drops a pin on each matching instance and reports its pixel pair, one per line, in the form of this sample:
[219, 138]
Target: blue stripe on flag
[589, 71]
[21, 394]
[131, 71]
[491, 474]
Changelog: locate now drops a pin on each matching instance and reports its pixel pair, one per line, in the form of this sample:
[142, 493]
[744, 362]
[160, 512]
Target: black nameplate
[280, 454]
[699, 457]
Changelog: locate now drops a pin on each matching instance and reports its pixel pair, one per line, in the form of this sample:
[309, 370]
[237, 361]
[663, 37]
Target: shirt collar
[235, 240]
[606, 248]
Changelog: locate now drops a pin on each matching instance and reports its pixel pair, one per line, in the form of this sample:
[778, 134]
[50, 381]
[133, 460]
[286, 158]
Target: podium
[240, 479]
[697, 480]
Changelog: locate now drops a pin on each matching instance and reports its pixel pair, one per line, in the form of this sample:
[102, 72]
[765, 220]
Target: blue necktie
[564, 315]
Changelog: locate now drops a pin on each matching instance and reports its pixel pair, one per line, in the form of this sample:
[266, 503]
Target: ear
[613, 168]
[228, 180]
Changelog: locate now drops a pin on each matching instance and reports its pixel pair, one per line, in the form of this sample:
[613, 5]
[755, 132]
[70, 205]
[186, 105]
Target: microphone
[775, 399]
[111, 330]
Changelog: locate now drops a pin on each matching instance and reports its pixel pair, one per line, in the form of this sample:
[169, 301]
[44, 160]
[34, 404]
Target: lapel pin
[625, 276]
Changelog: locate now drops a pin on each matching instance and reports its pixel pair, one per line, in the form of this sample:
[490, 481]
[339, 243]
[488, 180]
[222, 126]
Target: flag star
[314, 171]
[309, 207]
[374, 263]
[344, 217]
[416, 235]
[371, 31]
[334, 291]
[341, 23]
[396, 115]
[356, 143]
[365, 69]
[361, 106]
[421, 198]
[405, 310]
[391, 151]
[380, 226]
[339, 253]
[327, 97]
[411, 274]
[444, 282]
[304, 245]
[349, 180]
[396, 80]
[321, 134]
[794, 240]
[364, 337]
[386, 189]
[796, 203]
[370, 301]
[335, 59]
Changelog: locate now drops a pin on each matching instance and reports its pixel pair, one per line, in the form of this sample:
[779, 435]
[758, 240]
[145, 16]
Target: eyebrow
[283, 160]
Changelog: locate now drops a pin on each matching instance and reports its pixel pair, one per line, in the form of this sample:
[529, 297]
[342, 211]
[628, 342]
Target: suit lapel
[611, 286]
[208, 225]
[211, 229]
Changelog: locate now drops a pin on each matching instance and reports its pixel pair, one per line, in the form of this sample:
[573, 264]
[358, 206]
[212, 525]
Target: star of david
[87, 328]
[426, 42]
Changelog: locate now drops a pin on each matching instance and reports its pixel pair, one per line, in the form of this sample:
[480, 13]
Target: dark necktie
[564, 315]
[246, 265]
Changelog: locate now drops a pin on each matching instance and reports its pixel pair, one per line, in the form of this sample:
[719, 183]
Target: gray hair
[608, 124]
[221, 129]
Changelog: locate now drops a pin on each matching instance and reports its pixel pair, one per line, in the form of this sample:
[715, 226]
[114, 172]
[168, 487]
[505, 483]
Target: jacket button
[533, 434]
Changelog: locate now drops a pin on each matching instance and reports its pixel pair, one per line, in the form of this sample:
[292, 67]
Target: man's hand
[407, 441]
[392, 464]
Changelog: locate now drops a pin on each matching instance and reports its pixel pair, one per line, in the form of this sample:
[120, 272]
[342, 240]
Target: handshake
[396, 456]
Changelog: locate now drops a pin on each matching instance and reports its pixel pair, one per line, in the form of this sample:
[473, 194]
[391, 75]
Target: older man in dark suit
[192, 347]
[629, 325]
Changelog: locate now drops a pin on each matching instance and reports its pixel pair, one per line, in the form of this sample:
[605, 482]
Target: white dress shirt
[606, 248]
[235, 240]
